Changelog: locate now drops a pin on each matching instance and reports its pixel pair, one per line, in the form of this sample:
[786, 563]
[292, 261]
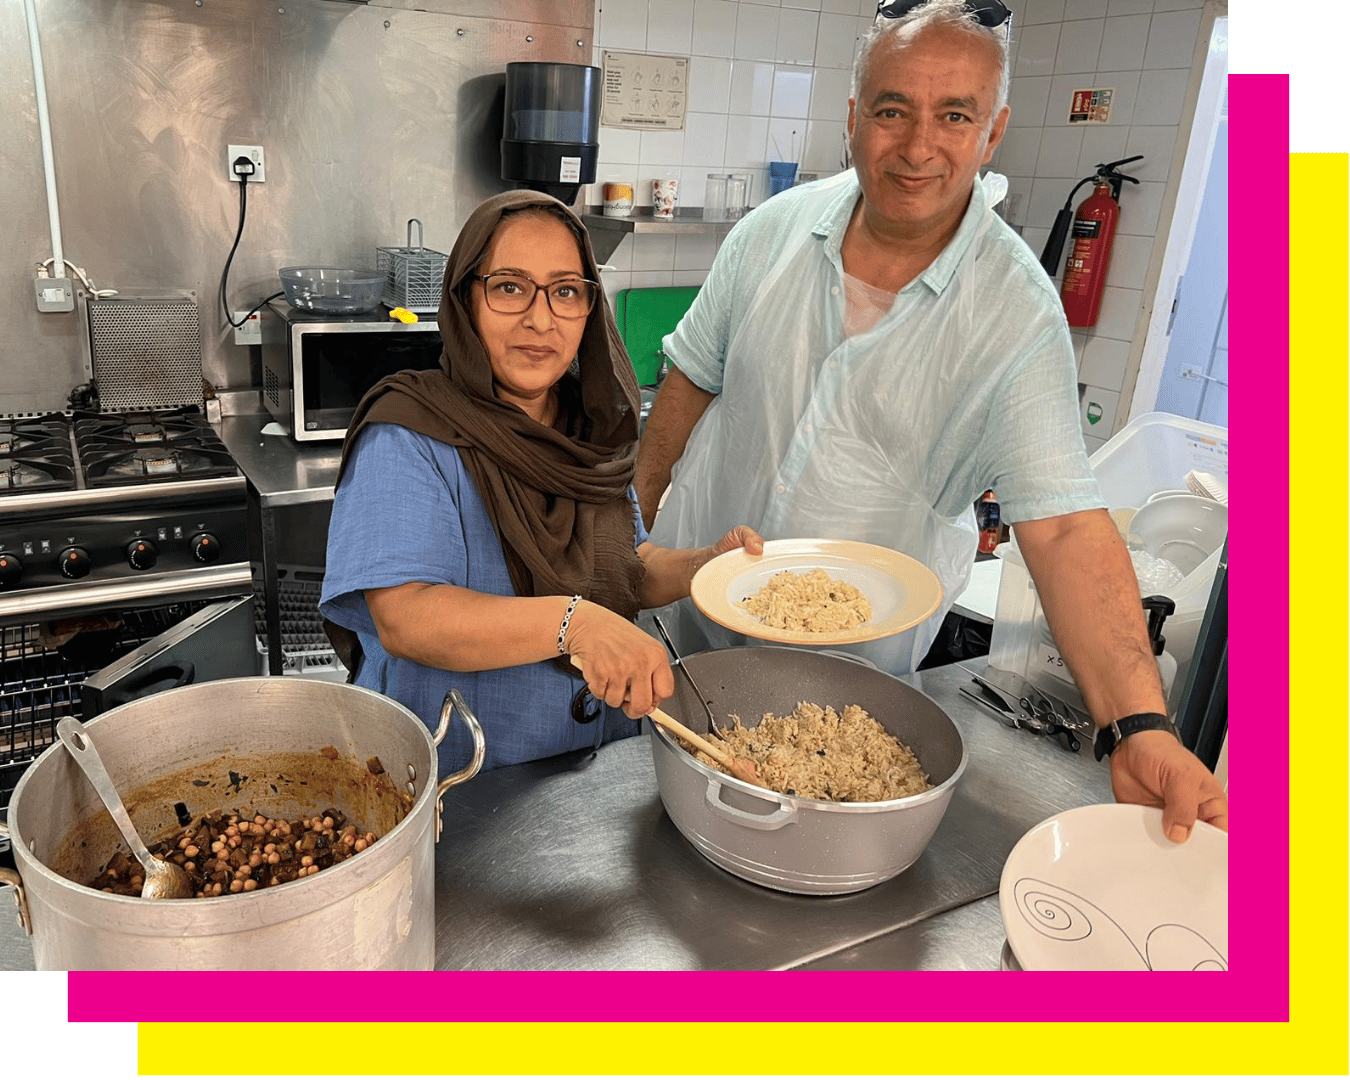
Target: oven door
[218, 642]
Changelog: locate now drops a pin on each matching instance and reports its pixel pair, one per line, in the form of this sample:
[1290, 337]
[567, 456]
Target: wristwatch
[1108, 738]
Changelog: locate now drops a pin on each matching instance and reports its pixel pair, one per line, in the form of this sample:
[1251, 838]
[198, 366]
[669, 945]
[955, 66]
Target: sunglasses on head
[988, 13]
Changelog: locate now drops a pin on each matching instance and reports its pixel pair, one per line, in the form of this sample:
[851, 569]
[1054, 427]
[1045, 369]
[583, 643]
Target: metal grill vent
[146, 352]
[271, 386]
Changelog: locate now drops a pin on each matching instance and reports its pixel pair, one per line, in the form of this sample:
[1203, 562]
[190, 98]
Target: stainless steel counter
[572, 864]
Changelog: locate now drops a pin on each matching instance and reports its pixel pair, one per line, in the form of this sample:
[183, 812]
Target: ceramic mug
[664, 194]
[618, 200]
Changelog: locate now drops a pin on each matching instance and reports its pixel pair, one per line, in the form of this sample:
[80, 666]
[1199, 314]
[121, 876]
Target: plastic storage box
[1152, 453]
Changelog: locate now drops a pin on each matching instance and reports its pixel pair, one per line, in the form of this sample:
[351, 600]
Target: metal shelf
[607, 233]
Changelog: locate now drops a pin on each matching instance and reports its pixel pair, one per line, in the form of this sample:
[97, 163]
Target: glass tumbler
[738, 195]
[715, 197]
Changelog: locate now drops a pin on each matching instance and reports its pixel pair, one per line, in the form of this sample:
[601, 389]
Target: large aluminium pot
[789, 843]
[251, 743]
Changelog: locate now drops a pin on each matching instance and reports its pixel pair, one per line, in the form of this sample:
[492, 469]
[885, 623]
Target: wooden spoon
[740, 768]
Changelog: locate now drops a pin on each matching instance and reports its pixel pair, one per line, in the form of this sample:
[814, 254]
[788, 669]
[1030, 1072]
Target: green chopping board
[644, 317]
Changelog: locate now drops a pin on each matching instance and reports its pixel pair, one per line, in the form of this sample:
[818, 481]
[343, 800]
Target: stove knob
[205, 547]
[11, 570]
[141, 554]
[75, 562]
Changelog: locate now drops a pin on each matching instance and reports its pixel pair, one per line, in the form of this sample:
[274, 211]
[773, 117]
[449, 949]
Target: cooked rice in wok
[813, 601]
[818, 753]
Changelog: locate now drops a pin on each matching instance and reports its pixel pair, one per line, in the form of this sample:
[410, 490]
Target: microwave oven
[316, 368]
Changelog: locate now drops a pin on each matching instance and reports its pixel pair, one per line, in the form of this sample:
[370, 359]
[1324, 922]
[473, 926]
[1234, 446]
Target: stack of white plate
[1101, 888]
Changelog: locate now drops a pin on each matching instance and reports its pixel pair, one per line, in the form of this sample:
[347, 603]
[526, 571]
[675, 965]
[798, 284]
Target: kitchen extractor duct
[551, 127]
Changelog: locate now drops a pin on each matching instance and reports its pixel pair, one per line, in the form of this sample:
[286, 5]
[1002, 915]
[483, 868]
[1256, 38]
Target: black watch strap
[1108, 738]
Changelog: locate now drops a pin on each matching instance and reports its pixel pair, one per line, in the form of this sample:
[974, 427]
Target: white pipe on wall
[45, 128]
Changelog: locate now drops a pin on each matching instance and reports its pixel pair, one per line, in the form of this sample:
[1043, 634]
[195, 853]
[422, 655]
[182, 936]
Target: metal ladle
[679, 663]
[163, 880]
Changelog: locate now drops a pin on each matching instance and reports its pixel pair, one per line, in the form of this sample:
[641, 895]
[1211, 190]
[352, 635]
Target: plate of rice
[816, 592]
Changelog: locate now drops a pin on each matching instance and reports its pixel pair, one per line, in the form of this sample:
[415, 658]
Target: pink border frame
[1257, 986]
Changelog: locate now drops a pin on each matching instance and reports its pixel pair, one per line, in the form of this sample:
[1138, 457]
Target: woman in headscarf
[484, 528]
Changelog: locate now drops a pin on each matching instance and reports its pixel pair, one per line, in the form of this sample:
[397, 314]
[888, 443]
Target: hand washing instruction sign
[644, 91]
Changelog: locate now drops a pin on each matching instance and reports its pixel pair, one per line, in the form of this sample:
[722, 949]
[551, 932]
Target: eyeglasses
[584, 707]
[513, 294]
[988, 13]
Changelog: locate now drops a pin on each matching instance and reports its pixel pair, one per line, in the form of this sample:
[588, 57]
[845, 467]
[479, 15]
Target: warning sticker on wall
[1091, 106]
[644, 90]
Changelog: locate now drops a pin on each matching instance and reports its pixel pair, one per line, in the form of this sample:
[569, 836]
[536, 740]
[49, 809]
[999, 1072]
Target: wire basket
[412, 275]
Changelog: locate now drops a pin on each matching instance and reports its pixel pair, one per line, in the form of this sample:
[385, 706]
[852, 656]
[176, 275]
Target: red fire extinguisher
[1093, 230]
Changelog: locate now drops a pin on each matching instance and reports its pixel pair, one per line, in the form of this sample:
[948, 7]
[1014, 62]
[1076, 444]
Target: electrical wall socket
[254, 154]
[54, 294]
[251, 332]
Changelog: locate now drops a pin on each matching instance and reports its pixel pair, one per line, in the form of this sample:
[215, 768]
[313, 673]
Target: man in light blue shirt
[871, 353]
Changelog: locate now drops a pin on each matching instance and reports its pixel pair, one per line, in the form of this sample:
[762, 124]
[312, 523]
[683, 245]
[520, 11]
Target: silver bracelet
[567, 620]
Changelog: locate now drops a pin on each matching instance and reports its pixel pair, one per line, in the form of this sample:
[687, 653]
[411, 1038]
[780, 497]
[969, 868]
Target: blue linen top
[407, 510]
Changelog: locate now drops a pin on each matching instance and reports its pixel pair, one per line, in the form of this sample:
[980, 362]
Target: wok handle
[9, 877]
[784, 815]
[455, 700]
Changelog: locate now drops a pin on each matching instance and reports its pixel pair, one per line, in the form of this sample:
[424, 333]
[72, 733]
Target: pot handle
[784, 815]
[455, 700]
[9, 877]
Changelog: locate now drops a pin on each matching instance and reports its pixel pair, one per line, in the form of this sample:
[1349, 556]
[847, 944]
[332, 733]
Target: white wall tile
[1140, 208]
[835, 42]
[705, 138]
[829, 94]
[1172, 38]
[714, 27]
[1104, 362]
[620, 145]
[1047, 196]
[1035, 237]
[652, 279]
[1027, 98]
[709, 84]
[661, 148]
[1097, 409]
[614, 283]
[1016, 201]
[694, 182]
[670, 26]
[786, 139]
[824, 147]
[746, 136]
[1041, 11]
[866, 7]
[791, 92]
[622, 26]
[1101, 144]
[751, 88]
[1085, 9]
[1018, 151]
[1129, 261]
[1119, 313]
[1176, 5]
[807, 5]
[653, 251]
[1079, 339]
[1129, 7]
[756, 32]
[694, 251]
[1125, 85]
[1036, 52]
[1059, 152]
[840, 7]
[1162, 95]
[1124, 39]
[1157, 144]
[1062, 88]
[688, 277]
[1079, 44]
[1092, 443]
[796, 36]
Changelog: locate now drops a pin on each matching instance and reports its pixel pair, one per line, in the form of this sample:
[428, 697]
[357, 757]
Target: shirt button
[781, 489]
[834, 363]
[835, 291]
[808, 428]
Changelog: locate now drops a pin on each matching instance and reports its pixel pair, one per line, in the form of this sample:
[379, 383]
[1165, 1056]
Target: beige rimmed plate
[902, 591]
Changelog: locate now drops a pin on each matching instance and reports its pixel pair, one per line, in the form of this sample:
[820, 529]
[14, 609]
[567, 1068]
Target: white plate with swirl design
[1101, 888]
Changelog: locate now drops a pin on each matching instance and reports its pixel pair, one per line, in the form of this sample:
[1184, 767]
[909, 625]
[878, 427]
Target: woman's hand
[624, 667]
[669, 571]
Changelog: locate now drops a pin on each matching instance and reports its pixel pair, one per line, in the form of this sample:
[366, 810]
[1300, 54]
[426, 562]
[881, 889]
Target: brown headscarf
[558, 499]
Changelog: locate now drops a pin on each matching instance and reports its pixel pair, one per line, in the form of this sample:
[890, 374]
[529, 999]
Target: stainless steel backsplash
[369, 114]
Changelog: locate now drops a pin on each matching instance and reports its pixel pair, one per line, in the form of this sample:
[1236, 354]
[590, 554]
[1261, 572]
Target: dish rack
[413, 276]
[305, 648]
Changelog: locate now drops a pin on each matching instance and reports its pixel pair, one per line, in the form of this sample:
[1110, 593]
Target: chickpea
[250, 885]
[183, 843]
[259, 820]
[236, 885]
[234, 841]
[192, 851]
[233, 830]
[244, 871]
[269, 849]
[255, 860]
[361, 845]
[327, 823]
[307, 860]
[189, 866]
[273, 858]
